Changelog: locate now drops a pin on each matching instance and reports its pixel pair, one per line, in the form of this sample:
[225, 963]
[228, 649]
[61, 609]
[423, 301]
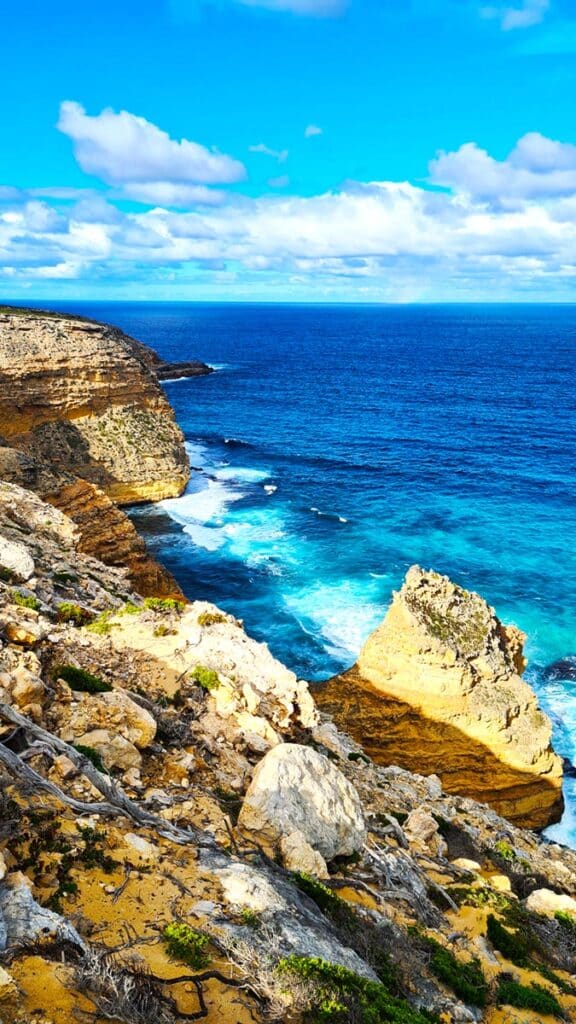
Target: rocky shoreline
[185, 833]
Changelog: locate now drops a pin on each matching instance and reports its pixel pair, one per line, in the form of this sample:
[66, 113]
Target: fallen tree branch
[117, 803]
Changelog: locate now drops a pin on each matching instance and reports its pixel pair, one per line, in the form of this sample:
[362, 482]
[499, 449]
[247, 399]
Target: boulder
[294, 788]
[23, 920]
[115, 751]
[544, 901]
[16, 559]
[421, 829]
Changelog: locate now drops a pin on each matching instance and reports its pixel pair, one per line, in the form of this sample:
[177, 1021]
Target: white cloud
[536, 167]
[311, 130]
[281, 155]
[530, 12]
[125, 150]
[500, 228]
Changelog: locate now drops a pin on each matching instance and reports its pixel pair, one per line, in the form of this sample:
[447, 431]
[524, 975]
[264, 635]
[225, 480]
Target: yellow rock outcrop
[437, 689]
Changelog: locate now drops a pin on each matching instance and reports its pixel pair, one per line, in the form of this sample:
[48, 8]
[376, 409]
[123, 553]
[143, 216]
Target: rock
[422, 828]
[467, 865]
[16, 560]
[294, 788]
[298, 855]
[3, 868]
[140, 850]
[23, 920]
[115, 751]
[437, 690]
[544, 901]
[114, 711]
[8, 987]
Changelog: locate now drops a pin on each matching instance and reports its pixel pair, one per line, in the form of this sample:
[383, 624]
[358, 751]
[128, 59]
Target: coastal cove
[337, 446]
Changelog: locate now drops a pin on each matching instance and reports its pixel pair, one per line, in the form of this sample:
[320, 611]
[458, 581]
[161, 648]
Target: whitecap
[343, 613]
[242, 473]
[270, 488]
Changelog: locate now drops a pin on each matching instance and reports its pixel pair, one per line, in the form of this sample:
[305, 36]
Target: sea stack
[438, 689]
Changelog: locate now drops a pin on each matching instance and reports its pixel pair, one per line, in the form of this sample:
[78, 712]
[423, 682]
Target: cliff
[438, 688]
[182, 837]
[85, 424]
[79, 397]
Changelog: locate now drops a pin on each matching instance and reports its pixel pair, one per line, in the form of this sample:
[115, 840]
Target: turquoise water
[336, 446]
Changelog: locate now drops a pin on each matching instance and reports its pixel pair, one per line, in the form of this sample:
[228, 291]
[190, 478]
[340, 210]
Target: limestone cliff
[86, 425]
[438, 688]
[79, 396]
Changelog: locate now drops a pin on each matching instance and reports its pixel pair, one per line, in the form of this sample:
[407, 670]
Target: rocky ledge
[438, 688]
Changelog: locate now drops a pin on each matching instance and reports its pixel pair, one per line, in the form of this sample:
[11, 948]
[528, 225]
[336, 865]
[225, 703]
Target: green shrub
[205, 677]
[505, 851]
[163, 630]
[524, 997]
[164, 604]
[129, 608]
[513, 945]
[250, 918]
[186, 944]
[323, 897]
[210, 618]
[70, 612]
[24, 602]
[80, 680]
[340, 996]
[466, 979]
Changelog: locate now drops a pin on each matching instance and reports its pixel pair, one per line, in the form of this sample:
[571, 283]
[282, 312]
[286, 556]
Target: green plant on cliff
[567, 921]
[24, 601]
[101, 625]
[205, 677]
[92, 756]
[336, 995]
[505, 851]
[210, 618]
[528, 997]
[186, 944]
[465, 978]
[67, 611]
[164, 604]
[81, 680]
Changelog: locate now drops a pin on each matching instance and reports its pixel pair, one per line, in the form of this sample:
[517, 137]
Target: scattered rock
[544, 901]
[16, 560]
[298, 855]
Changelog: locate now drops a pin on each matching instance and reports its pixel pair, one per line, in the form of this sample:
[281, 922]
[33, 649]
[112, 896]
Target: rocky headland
[186, 835]
[438, 688]
[85, 423]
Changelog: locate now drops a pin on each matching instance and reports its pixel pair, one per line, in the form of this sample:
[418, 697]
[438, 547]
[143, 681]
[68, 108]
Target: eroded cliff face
[85, 424]
[438, 688]
[79, 396]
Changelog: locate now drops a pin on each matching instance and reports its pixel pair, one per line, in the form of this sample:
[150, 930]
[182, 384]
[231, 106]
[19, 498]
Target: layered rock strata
[438, 689]
[85, 424]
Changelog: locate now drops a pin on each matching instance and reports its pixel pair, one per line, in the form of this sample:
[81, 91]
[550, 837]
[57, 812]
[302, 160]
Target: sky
[288, 150]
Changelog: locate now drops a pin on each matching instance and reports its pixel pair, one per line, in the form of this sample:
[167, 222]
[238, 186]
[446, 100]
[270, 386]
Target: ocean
[335, 446]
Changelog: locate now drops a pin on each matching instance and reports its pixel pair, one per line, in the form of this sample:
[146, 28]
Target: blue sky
[305, 150]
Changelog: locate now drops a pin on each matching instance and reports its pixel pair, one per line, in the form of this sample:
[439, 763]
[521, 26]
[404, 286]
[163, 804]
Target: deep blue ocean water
[337, 446]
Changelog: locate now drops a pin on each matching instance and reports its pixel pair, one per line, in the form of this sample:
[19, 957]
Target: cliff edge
[438, 688]
[80, 397]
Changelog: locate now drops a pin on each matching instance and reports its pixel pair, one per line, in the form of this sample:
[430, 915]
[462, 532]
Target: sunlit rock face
[79, 395]
[438, 689]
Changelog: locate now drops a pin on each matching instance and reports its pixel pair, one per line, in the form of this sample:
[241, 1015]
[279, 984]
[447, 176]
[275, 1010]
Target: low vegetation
[80, 680]
[24, 600]
[528, 997]
[69, 612]
[207, 678]
[186, 944]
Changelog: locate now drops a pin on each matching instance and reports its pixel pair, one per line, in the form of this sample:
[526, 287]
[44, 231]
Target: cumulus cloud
[530, 12]
[496, 225]
[281, 155]
[311, 130]
[128, 151]
[536, 167]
